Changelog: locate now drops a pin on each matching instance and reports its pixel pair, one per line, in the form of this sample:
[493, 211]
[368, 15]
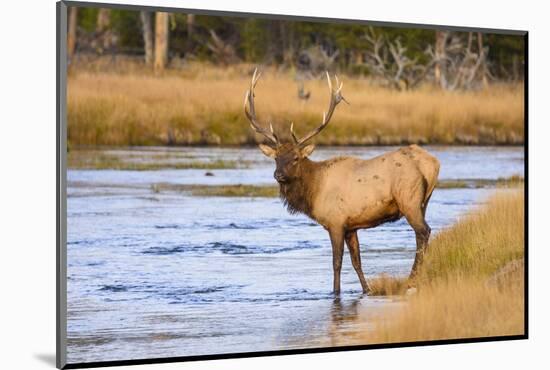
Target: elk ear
[307, 150]
[268, 151]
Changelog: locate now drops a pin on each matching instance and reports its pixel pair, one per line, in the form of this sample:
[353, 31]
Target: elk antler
[251, 112]
[335, 98]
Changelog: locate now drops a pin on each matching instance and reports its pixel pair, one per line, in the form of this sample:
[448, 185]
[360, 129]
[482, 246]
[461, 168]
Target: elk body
[345, 194]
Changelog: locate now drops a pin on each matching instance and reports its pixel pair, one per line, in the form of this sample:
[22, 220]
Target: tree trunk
[103, 32]
[483, 66]
[161, 41]
[103, 19]
[71, 33]
[290, 52]
[147, 30]
[439, 68]
[190, 31]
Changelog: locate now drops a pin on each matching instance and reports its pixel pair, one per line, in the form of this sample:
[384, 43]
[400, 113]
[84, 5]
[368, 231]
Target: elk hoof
[411, 282]
[367, 289]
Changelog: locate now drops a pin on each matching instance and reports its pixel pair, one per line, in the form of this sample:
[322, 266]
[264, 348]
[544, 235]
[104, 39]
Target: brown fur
[298, 195]
[345, 194]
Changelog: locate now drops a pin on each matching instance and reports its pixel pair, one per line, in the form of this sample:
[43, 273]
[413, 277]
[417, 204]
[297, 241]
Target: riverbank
[244, 172]
[470, 285]
[202, 105]
[266, 191]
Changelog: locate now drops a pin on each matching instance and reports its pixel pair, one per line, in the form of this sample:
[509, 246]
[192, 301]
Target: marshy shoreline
[153, 159]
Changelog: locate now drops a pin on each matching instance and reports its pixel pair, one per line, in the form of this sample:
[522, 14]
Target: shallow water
[164, 274]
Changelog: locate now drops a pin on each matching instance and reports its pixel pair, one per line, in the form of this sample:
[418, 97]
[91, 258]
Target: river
[163, 273]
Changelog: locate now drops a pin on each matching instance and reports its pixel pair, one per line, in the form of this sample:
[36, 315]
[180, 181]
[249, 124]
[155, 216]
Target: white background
[27, 185]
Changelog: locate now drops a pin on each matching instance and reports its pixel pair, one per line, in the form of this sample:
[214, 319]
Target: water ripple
[228, 248]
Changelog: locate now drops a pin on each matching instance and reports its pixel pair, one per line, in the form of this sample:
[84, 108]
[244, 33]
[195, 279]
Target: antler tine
[335, 98]
[292, 133]
[340, 85]
[250, 111]
[255, 78]
[246, 99]
[273, 132]
[329, 82]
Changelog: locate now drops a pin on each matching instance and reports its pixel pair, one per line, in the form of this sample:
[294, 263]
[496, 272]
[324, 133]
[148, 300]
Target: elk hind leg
[353, 245]
[422, 231]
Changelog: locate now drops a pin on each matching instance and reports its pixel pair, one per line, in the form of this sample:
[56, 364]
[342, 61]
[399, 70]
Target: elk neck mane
[298, 195]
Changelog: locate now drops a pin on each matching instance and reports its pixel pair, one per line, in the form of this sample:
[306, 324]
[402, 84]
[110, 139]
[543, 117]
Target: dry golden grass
[464, 308]
[481, 243]
[387, 285]
[470, 285]
[200, 104]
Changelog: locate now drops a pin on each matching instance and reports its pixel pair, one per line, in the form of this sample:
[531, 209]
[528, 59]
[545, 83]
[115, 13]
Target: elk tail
[430, 171]
[429, 167]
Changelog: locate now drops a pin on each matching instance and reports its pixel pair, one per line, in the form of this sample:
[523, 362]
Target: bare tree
[147, 30]
[439, 54]
[314, 61]
[455, 64]
[462, 67]
[104, 39]
[483, 55]
[103, 19]
[389, 61]
[223, 52]
[71, 32]
[161, 41]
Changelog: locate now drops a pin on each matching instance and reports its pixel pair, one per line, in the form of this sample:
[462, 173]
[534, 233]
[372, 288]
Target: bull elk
[345, 194]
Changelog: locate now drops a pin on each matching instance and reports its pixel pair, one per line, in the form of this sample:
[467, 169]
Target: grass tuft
[236, 191]
[100, 161]
[386, 285]
[219, 190]
[502, 182]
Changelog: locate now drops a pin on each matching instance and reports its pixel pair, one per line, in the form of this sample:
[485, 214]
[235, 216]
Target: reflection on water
[164, 274]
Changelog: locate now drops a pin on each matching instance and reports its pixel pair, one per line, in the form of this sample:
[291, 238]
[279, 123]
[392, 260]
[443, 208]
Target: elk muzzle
[280, 177]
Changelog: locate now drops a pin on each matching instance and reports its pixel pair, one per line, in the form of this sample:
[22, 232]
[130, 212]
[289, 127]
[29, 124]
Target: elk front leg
[353, 245]
[337, 241]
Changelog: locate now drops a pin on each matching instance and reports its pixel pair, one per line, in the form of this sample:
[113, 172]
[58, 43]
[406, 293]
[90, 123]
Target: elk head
[289, 156]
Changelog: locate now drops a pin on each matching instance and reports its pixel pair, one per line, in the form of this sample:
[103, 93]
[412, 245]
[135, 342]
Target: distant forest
[402, 58]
